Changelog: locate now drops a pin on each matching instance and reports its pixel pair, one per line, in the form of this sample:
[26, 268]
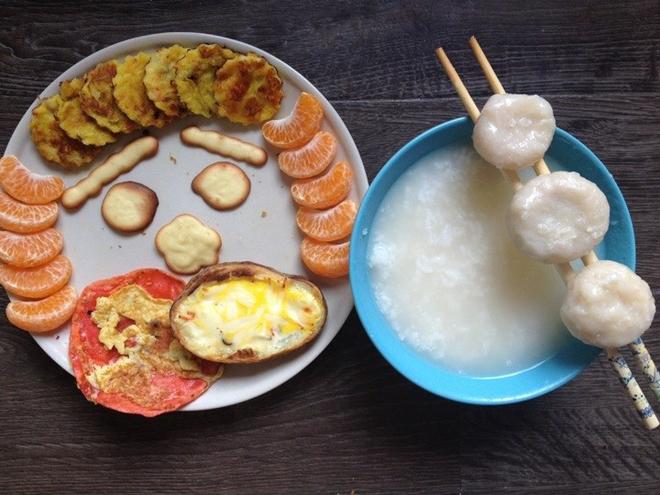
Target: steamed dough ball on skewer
[607, 305]
[514, 131]
[558, 217]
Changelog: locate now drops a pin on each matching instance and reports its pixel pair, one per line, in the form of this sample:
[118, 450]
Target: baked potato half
[245, 313]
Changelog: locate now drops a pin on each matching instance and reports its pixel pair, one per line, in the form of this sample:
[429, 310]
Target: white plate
[97, 252]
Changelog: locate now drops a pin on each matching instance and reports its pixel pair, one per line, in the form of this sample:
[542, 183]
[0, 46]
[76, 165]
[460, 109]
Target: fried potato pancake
[97, 100]
[76, 123]
[131, 95]
[52, 142]
[159, 80]
[195, 75]
[247, 89]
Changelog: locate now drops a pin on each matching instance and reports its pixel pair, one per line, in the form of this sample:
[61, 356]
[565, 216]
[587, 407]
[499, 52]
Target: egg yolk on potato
[257, 314]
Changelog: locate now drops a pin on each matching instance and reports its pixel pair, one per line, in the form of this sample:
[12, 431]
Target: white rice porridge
[447, 277]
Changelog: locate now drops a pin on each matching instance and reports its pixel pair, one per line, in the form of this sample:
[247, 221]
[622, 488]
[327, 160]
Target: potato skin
[244, 270]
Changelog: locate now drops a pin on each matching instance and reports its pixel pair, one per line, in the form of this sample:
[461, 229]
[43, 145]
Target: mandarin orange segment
[324, 191]
[19, 217]
[43, 315]
[328, 225]
[310, 159]
[7, 164]
[325, 259]
[29, 250]
[38, 282]
[298, 127]
[33, 189]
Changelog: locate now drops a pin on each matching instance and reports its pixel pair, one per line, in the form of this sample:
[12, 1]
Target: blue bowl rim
[359, 291]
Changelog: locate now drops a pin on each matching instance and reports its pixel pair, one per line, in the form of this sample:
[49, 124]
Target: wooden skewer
[564, 269]
[648, 366]
[471, 108]
[638, 349]
[627, 379]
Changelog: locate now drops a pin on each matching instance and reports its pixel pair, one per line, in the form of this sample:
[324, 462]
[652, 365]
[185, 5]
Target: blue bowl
[567, 153]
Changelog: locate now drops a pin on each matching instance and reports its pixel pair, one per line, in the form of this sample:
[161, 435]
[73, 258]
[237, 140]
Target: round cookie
[222, 185]
[129, 207]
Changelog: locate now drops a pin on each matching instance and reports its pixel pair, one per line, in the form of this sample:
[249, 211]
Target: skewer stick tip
[442, 56]
[454, 78]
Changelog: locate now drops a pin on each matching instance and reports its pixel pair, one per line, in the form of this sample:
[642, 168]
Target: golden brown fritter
[97, 100]
[159, 80]
[52, 142]
[247, 89]
[76, 123]
[195, 75]
[131, 94]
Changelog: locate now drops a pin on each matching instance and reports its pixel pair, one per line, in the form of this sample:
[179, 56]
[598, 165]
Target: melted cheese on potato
[220, 318]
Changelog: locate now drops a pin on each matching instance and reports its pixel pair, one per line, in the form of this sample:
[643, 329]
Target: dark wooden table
[349, 422]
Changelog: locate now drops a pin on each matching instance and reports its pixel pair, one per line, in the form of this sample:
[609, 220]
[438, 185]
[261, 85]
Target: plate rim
[287, 72]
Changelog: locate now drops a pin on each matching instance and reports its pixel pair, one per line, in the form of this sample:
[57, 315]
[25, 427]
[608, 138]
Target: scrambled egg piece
[145, 346]
[132, 302]
[248, 89]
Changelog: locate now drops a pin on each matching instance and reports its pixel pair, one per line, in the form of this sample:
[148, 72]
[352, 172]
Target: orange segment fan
[299, 127]
[328, 225]
[29, 250]
[311, 159]
[327, 260]
[18, 217]
[38, 282]
[23, 185]
[324, 191]
[43, 315]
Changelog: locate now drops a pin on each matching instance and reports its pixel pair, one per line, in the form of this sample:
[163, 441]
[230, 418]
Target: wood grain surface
[349, 423]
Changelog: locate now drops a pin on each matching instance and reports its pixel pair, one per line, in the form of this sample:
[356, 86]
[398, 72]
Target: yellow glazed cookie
[225, 145]
[121, 162]
[188, 245]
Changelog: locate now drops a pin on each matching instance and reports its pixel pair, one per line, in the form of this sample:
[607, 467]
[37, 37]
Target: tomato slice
[140, 387]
